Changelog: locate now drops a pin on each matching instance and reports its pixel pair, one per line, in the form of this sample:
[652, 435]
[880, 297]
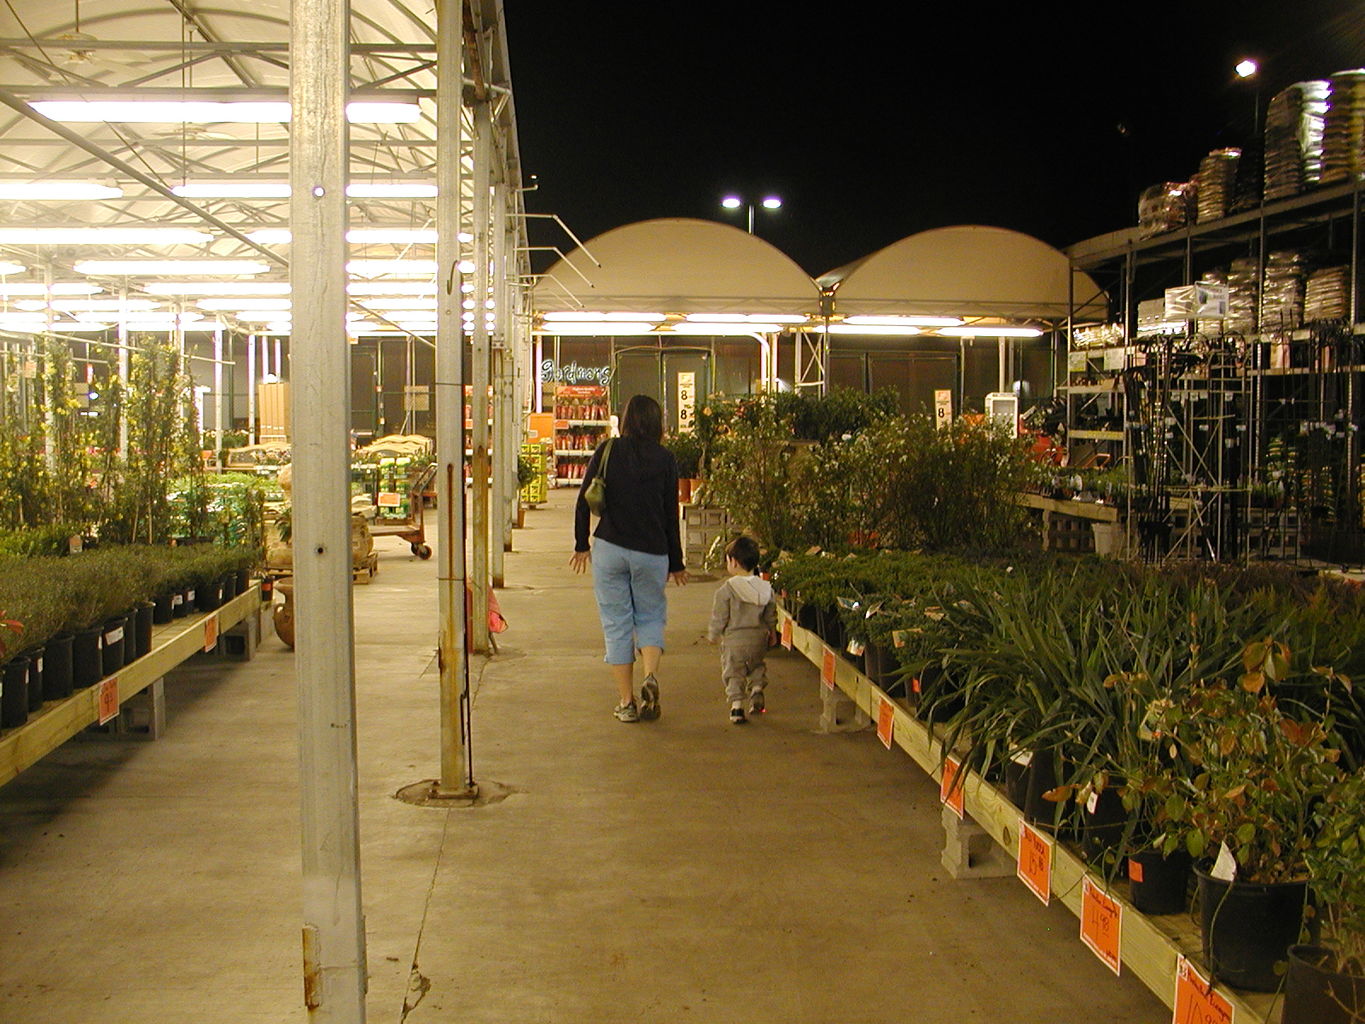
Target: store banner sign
[687, 402]
[574, 374]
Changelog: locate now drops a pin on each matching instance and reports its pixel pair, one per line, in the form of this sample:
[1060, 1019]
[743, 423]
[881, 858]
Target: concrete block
[970, 852]
[839, 713]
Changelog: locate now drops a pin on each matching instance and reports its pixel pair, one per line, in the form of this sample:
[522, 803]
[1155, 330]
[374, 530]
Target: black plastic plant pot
[1248, 928]
[163, 610]
[130, 637]
[1102, 820]
[182, 603]
[142, 629]
[111, 645]
[35, 680]
[243, 580]
[1157, 884]
[14, 693]
[229, 586]
[57, 667]
[208, 596]
[1316, 992]
[86, 664]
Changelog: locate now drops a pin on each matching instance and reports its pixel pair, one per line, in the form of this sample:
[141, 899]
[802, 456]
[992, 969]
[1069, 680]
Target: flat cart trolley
[399, 498]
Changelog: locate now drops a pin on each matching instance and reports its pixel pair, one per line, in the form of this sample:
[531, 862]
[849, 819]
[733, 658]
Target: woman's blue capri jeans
[630, 590]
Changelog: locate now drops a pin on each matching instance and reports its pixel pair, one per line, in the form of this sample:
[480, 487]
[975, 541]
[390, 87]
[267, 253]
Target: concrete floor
[681, 870]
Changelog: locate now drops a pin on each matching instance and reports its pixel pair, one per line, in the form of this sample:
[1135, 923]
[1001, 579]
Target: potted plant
[1241, 804]
[1326, 980]
[687, 452]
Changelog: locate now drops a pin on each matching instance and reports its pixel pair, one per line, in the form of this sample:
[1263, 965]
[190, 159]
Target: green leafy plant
[687, 450]
[1336, 868]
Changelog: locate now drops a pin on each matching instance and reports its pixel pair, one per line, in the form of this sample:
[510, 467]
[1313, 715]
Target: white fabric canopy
[677, 265]
[968, 271]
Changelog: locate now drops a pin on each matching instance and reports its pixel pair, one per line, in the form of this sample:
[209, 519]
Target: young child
[743, 615]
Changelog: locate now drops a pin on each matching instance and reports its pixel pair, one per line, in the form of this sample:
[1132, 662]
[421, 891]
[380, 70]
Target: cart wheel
[421, 550]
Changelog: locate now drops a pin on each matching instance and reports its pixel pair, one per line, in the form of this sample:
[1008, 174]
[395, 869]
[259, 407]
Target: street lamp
[1248, 69]
[733, 202]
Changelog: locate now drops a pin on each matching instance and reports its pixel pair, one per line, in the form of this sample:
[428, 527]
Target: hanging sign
[106, 699]
[787, 632]
[886, 721]
[951, 792]
[943, 409]
[687, 402]
[827, 669]
[210, 632]
[1195, 1000]
[1101, 924]
[574, 374]
[1034, 866]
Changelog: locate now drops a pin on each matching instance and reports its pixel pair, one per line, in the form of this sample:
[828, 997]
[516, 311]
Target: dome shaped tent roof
[971, 271]
[677, 265]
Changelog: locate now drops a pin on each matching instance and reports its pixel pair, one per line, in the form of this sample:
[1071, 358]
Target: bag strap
[606, 454]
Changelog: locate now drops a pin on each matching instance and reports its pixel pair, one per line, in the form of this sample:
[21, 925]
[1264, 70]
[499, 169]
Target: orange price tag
[210, 632]
[106, 699]
[1101, 924]
[787, 633]
[1195, 1000]
[827, 669]
[886, 721]
[1035, 861]
[950, 793]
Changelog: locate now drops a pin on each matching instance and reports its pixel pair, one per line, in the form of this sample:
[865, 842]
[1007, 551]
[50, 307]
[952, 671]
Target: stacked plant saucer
[1216, 182]
[1343, 134]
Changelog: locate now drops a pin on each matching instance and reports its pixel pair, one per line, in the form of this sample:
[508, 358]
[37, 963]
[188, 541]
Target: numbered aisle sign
[787, 632]
[1101, 924]
[1195, 1000]
[886, 721]
[1035, 861]
[827, 669]
[106, 699]
[950, 792]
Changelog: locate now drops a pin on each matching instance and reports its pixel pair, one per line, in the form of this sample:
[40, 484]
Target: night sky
[875, 120]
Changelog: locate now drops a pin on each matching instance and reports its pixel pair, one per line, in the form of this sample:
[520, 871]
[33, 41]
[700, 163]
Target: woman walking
[637, 551]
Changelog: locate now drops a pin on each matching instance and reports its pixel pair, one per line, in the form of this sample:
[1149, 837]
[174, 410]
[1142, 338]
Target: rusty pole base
[429, 793]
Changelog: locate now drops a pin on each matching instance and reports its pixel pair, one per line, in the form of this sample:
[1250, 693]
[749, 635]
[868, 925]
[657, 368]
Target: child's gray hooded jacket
[743, 607]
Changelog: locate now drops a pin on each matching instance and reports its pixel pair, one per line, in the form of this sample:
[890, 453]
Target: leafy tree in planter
[69, 440]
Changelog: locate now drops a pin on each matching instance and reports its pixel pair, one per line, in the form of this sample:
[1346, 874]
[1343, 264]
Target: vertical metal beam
[457, 777]
[478, 404]
[499, 525]
[251, 389]
[334, 927]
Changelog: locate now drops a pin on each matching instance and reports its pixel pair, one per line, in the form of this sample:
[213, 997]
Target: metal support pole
[334, 926]
[123, 367]
[218, 395]
[457, 774]
[251, 389]
[499, 522]
[478, 400]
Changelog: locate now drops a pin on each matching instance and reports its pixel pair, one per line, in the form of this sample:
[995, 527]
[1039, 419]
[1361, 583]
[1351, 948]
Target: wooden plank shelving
[172, 644]
[1149, 946]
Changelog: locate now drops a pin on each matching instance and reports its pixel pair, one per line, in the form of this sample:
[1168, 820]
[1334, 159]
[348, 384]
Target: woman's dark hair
[644, 419]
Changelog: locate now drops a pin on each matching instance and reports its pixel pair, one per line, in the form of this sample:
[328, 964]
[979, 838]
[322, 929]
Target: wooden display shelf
[1149, 947]
[1079, 509]
[172, 644]
[1096, 435]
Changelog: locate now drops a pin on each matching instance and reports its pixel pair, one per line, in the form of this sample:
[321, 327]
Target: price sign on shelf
[1195, 1000]
[787, 632]
[1035, 861]
[886, 721]
[827, 669]
[106, 699]
[210, 632]
[951, 792]
[1101, 924]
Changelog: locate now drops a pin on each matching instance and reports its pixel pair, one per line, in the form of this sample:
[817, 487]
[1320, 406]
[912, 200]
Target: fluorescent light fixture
[990, 331]
[9, 291]
[588, 317]
[233, 190]
[905, 321]
[391, 288]
[391, 268]
[225, 302]
[722, 330]
[356, 236]
[143, 316]
[57, 190]
[399, 302]
[87, 305]
[732, 202]
[11, 268]
[391, 190]
[150, 111]
[465, 266]
[264, 316]
[772, 203]
[598, 329]
[215, 288]
[172, 268]
[401, 315]
[867, 330]
[745, 318]
[103, 236]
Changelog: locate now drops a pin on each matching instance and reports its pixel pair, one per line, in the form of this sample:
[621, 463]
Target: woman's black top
[642, 500]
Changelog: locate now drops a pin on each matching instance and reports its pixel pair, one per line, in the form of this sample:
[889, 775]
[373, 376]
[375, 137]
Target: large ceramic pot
[283, 615]
[1248, 928]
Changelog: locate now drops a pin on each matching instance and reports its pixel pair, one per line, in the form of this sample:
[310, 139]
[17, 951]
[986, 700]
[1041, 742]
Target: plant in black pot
[1326, 980]
[1241, 804]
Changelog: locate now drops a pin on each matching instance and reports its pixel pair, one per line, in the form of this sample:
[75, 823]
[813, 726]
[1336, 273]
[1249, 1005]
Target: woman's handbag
[595, 494]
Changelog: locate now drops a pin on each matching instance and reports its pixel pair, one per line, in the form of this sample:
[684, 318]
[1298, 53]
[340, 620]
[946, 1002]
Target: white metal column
[483, 158]
[499, 532]
[334, 927]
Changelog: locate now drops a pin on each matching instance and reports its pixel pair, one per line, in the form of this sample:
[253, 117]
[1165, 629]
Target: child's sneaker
[627, 712]
[756, 703]
[737, 715]
[649, 698]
